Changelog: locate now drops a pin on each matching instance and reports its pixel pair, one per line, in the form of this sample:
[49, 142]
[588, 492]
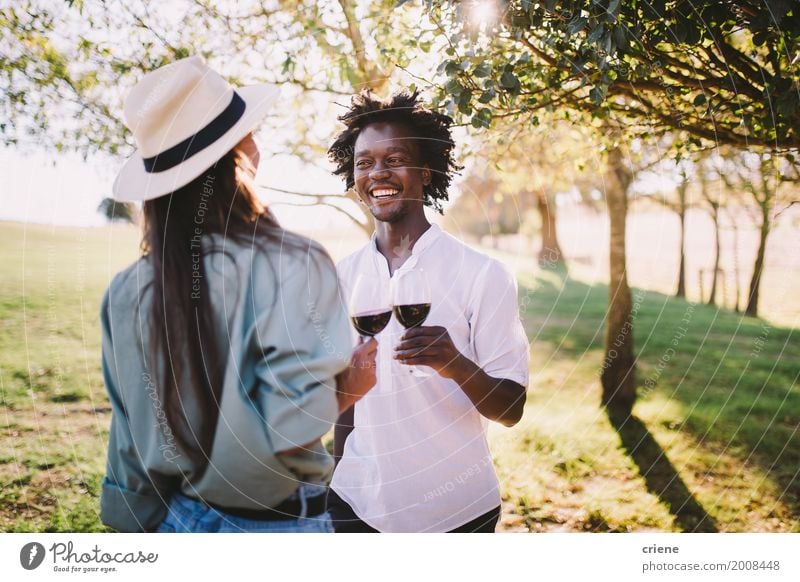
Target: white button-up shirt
[417, 459]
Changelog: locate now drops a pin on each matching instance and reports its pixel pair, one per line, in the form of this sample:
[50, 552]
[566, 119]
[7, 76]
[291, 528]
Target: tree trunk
[550, 255]
[369, 74]
[618, 375]
[758, 267]
[681, 292]
[712, 299]
[736, 270]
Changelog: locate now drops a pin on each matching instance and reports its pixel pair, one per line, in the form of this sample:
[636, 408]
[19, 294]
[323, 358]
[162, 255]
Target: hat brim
[135, 184]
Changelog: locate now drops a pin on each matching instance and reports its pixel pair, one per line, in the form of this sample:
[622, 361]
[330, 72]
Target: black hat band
[199, 141]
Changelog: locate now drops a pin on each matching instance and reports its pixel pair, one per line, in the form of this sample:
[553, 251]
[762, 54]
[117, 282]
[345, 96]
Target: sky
[62, 189]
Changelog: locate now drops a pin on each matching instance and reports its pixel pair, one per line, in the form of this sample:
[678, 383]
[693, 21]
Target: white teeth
[384, 193]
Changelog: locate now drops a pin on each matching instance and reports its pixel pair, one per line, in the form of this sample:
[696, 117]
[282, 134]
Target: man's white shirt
[417, 459]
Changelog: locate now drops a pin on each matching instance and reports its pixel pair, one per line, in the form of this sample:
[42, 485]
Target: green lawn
[713, 444]
[54, 412]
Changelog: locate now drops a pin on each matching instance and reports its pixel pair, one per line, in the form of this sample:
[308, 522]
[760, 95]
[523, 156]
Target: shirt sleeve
[129, 500]
[300, 344]
[497, 335]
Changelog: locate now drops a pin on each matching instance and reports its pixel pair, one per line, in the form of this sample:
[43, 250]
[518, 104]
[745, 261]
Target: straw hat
[184, 117]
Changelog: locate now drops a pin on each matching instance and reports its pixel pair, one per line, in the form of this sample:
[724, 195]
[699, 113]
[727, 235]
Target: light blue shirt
[283, 321]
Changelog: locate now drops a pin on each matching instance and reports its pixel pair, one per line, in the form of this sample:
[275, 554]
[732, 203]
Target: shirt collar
[424, 242]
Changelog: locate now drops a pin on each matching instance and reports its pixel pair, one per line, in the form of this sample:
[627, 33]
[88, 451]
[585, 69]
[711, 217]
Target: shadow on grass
[660, 476]
[735, 377]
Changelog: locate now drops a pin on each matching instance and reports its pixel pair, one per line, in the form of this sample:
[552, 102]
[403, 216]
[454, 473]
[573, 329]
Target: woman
[226, 350]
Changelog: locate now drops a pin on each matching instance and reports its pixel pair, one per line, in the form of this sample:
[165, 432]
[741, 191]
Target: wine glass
[370, 305]
[411, 303]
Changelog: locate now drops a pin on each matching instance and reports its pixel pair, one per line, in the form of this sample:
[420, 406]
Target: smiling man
[412, 454]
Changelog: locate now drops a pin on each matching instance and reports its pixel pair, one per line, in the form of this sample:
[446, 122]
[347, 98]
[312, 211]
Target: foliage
[117, 211]
[64, 73]
[513, 165]
[483, 208]
[723, 71]
[63, 61]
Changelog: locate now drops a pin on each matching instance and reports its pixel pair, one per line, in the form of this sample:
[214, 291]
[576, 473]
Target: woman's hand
[360, 376]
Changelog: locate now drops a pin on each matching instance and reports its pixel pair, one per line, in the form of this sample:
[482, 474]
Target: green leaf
[680, 30]
[509, 81]
[699, 100]
[464, 102]
[607, 43]
[620, 39]
[482, 118]
[453, 87]
[595, 33]
[577, 25]
[482, 70]
[597, 95]
[487, 96]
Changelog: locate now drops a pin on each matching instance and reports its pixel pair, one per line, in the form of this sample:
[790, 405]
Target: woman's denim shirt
[279, 314]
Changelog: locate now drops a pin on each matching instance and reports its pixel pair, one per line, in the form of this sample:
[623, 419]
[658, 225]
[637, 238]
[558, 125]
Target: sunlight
[483, 13]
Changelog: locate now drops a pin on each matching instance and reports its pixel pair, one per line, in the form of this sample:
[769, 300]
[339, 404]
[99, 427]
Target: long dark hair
[187, 363]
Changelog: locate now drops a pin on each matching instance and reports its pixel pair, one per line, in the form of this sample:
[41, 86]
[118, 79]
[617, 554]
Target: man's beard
[401, 213]
[393, 217]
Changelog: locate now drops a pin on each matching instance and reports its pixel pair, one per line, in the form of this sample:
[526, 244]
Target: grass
[54, 412]
[713, 444]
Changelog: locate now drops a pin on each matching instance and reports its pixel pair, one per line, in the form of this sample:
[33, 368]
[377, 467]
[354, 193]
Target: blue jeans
[186, 515]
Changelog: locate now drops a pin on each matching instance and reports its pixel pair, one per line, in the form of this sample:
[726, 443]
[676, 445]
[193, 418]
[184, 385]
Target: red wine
[412, 315]
[371, 322]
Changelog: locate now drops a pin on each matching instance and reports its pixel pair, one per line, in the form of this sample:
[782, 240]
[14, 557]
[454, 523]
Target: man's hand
[497, 399]
[429, 346]
[360, 376]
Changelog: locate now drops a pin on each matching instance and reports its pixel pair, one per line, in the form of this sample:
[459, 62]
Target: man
[412, 454]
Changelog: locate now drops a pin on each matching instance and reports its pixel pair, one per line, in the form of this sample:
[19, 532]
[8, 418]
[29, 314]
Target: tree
[64, 73]
[619, 372]
[117, 211]
[721, 71]
[676, 201]
[545, 161]
[485, 205]
[363, 220]
[767, 183]
[680, 208]
[713, 202]
[527, 168]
